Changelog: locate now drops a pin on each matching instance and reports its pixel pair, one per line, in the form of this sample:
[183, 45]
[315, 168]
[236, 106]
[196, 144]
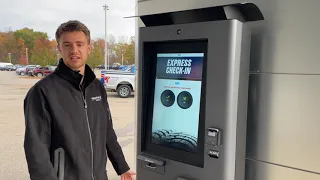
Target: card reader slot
[152, 164]
[151, 160]
[153, 167]
[182, 178]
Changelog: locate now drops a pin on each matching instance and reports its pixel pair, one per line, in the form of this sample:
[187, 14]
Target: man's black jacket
[69, 129]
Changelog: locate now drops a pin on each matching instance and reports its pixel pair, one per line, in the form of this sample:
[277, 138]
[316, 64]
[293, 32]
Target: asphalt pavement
[13, 89]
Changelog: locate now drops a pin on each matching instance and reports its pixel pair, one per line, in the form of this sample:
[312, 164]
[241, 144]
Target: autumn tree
[29, 36]
[96, 56]
[9, 46]
[129, 55]
[110, 45]
[2, 41]
[23, 56]
[43, 52]
[125, 51]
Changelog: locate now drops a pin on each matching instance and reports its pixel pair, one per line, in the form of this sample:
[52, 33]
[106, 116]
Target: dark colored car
[10, 68]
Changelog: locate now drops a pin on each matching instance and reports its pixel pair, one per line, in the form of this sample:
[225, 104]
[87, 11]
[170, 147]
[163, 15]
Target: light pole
[10, 57]
[123, 51]
[27, 56]
[106, 55]
[56, 51]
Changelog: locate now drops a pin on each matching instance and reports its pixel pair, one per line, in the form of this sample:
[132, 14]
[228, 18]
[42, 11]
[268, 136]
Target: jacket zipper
[90, 136]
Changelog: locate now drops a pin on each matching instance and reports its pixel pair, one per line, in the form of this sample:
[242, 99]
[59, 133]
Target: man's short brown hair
[72, 26]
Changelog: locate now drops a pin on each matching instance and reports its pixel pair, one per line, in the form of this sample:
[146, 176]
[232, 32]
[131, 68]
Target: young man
[69, 132]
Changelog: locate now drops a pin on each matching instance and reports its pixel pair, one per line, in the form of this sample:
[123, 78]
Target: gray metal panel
[283, 123]
[242, 97]
[224, 108]
[263, 171]
[286, 41]
[160, 6]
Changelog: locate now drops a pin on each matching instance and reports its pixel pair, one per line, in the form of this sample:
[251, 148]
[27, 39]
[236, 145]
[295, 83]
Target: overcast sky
[47, 15]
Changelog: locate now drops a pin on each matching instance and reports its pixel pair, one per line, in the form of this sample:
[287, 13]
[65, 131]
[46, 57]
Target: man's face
[74, 49]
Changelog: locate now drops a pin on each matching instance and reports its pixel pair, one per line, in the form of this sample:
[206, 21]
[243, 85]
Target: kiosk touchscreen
[175, 112]
[176, 109]
[192, 97]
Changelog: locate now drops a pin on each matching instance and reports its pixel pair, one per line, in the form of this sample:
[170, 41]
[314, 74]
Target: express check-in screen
[177, 100]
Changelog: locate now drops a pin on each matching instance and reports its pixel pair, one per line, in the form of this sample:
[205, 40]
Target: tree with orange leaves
[43, 52]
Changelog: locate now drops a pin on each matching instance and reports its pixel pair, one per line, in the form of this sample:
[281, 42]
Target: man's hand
[129, 175]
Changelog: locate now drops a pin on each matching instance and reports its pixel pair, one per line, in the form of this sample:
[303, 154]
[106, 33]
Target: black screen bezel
[149, 65]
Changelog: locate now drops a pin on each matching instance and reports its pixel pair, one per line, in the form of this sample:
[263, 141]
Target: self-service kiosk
[192, 93]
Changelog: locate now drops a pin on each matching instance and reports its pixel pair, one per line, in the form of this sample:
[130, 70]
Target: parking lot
[13, 89]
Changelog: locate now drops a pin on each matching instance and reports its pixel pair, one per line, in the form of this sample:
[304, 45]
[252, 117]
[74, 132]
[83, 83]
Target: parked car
[20, 69]
[24, 70]
[114, 66]
[29, 69]
[3, 66]
[10, 68]
[121, 82]
[42, 71]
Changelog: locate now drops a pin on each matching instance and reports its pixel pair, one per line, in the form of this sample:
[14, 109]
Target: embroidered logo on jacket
[96, 98]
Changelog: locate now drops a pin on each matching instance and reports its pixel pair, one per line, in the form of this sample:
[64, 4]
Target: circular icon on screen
[184, 100]
[167, 98]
